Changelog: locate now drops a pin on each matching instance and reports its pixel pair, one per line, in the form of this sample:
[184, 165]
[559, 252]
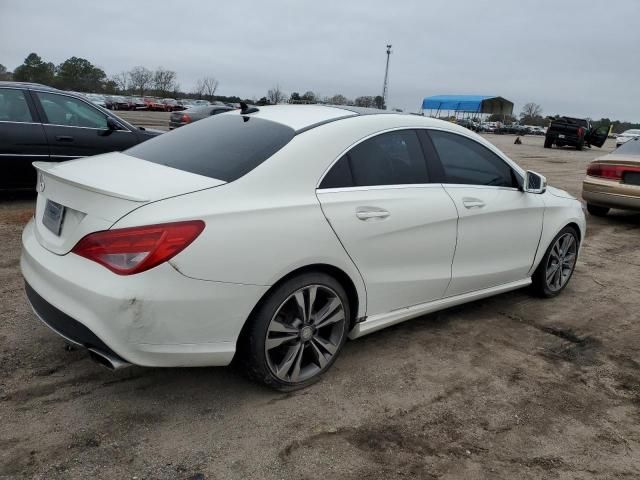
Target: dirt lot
[510, 387]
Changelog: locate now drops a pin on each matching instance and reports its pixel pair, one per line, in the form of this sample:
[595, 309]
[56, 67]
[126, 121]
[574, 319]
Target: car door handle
[472, 203]
[371, 213]
[64, 138]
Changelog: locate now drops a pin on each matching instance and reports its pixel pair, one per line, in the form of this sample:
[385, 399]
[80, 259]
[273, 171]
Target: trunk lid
[97, 191]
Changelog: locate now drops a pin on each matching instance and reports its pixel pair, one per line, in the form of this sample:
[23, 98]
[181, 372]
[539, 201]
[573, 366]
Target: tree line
[80, 75]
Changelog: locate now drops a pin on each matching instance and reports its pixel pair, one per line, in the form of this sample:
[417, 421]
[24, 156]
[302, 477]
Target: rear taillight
[126, 251]
[580, 131]
[611, 172]
[186, 118]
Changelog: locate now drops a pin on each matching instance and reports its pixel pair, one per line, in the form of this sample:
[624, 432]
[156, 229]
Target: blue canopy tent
[470, 104]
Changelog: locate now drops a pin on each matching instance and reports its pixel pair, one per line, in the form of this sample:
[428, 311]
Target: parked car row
[500, 128]
[121, 102]
[626, 136]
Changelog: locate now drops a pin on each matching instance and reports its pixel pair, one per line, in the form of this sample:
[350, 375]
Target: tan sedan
[613, 181]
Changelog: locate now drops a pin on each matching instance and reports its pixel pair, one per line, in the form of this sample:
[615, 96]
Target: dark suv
[40, 123]
[575, 132]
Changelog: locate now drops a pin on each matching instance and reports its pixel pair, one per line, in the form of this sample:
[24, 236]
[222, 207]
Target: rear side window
[225, 147]
[13, 106]
[630, 147]
[465, 161]
[392, 158]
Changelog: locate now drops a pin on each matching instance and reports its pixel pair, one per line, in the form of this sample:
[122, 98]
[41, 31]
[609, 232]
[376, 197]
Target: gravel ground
[504, 388]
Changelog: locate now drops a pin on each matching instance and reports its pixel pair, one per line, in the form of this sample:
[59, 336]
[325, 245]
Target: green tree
[295, 97]
[81, 75]
[338, 99]
[365, 101]
[309, 96]
[4, 73]
[34, 69]
[379, 102]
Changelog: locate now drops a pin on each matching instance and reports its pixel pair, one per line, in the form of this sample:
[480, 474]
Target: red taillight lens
[611, 172]
[186, 118]
[126, 251]
[580, 131]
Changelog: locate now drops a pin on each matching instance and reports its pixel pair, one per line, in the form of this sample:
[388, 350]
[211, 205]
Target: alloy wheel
[305, 333]
[561, 262]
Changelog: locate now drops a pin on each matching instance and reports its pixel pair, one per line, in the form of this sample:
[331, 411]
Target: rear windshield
[225, 147]
[630, 147]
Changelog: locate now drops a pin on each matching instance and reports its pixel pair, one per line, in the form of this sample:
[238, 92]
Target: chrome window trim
[493, 149]
[125, 130]
[378, 187]
[24, 155]
[26, 123]
[471, 185]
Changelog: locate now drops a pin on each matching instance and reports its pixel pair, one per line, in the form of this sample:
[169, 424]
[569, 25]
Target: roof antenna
[245, 109]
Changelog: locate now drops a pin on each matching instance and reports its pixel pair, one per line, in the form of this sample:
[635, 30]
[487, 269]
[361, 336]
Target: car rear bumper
[158, 318]
[608, 193]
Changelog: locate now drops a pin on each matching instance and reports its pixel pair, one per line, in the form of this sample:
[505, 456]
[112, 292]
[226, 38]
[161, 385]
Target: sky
[572, 57]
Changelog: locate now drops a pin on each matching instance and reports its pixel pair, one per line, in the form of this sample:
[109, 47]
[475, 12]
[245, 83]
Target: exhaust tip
[111, 362]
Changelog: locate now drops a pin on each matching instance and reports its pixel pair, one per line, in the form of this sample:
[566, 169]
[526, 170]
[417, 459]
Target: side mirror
[534, 183]
[112, 124]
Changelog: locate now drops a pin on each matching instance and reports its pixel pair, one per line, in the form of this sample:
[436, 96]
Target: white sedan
[626, 136]
[272, 235]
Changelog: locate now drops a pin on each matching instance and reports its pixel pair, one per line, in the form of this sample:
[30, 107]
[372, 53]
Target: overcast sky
[573, 57]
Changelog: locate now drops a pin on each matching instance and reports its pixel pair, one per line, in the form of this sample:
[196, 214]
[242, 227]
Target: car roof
[305, 117]
[302, 118]
[28, 85]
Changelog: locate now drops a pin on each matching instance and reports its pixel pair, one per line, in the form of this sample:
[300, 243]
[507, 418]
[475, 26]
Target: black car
[575, 132]
[194, 114]
[120, 103]
[40, 123]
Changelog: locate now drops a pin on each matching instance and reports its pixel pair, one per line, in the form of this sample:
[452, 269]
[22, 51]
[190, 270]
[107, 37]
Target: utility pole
[386, 78]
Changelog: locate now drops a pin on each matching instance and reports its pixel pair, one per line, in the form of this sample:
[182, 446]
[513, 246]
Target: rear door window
[392, 158]
[13, 106]
[224, 147]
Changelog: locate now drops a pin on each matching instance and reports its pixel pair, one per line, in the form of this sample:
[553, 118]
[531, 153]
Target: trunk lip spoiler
[47, 167]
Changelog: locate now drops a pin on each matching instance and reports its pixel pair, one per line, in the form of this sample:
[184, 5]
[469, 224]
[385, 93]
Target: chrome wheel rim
[305, 333]
[561, 262]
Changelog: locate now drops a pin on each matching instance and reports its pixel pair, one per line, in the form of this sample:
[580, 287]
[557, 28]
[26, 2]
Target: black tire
[252, 356]
[548, 142]
[597, 211]
[540, 285]
[580, 145]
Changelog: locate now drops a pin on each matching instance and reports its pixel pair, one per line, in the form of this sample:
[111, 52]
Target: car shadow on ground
[193, 388]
